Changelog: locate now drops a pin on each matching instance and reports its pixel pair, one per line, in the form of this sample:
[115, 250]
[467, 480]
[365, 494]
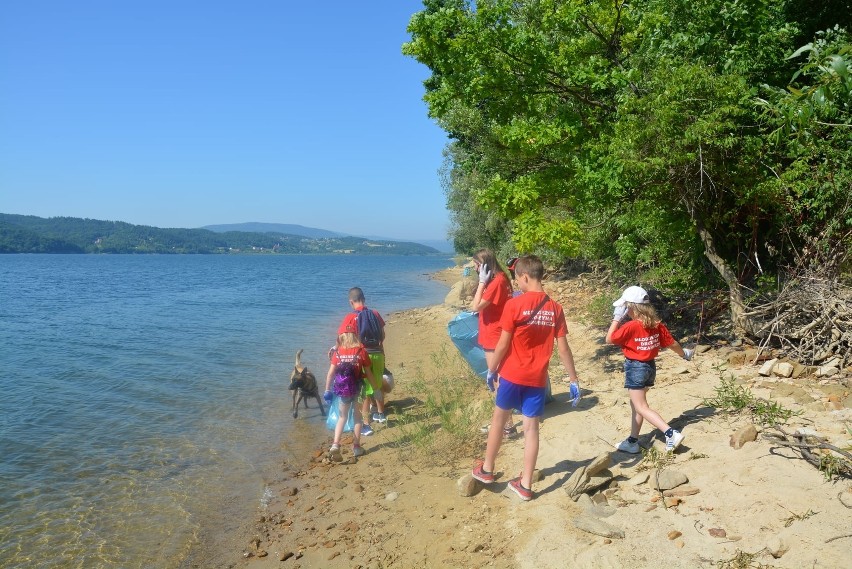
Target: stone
[600, 499]
[640, 478]
[682, 491]
[783, 369]
[744, 435]
[776, 546]
[672, 501]
[468, 485]
[601, 511]
[589, 477]
[702, 348]
[717, 532]
[826, 371]
[391, 496]
[767, 367]
[669, 479]
[597, 526]
[674, 534]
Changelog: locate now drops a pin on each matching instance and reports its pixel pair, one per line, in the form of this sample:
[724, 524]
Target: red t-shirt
[639, 343]
[350, 324]
[529, 352]
[497, 292]
[358, 356]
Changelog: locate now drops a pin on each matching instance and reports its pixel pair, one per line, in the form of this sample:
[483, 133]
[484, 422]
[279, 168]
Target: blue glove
[490, 379]
[574, 394]
[619, 313]
[328, 396]
[687, 354]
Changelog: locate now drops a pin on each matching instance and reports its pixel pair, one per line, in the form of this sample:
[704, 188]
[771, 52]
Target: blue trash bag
[464, 332]
[334, 413]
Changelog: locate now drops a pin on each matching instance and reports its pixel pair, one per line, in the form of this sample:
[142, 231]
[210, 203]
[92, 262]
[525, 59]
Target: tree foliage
[680, 143]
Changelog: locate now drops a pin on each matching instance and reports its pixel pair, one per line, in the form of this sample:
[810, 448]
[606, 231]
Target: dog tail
[299, 359]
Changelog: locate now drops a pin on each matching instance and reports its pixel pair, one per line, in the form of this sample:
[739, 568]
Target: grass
[742, 560]
[444, 425]
[655, 459]
[738, 399]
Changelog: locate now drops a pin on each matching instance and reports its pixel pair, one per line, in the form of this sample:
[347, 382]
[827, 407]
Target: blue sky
[190, 113]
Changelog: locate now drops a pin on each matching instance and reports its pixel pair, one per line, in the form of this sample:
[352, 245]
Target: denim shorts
[639, 375]
[530, 400]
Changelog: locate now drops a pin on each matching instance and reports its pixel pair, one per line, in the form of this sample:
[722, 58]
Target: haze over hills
[290, 229]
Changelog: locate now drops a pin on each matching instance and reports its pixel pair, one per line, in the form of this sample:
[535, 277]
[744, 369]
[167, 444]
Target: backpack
[369, 328]
[347, 379]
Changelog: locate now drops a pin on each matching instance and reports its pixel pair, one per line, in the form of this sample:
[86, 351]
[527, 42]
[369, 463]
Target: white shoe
[674, 441]
[627, 446]
[334, 453]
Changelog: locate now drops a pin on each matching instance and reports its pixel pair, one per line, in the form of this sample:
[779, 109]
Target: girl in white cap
[640, 340]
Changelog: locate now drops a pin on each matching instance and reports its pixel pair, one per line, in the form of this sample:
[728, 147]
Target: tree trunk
[742, 323]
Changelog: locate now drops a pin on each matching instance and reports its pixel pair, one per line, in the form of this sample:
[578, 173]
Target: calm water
[143, 399]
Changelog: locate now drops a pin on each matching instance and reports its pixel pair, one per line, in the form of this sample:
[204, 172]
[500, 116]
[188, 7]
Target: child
[530, 324]
[641, 340]
[491, 295]
[349, 363]
[373, 389]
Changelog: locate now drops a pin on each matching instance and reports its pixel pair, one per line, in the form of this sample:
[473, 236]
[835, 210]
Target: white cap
[634, 294]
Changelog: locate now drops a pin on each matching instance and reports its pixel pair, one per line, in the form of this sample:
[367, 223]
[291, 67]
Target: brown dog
[303, 384]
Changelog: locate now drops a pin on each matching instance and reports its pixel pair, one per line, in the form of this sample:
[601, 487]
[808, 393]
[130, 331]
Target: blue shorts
[530, 400]
[639, 375]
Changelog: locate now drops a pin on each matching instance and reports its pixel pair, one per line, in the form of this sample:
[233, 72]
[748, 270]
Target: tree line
[31, 234]
[684, 145]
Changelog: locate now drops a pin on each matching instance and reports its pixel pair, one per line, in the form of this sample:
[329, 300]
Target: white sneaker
[334, 453]
[627, 446]
[674, 441]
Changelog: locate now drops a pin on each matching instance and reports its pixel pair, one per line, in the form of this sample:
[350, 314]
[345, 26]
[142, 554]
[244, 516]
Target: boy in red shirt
[530, 324]
[641, 340]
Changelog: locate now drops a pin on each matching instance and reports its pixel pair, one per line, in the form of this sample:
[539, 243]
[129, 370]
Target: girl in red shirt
[350, 352]
[640, 340]
[489, 300]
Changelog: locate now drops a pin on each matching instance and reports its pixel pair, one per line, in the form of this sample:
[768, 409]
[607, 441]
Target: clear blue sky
[190, 113]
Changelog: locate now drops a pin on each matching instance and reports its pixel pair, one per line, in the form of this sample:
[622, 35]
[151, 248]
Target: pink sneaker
[482, 475]
[525, 494]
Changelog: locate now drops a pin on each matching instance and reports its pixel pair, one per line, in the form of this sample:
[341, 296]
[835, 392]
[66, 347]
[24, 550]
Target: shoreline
[379, 511]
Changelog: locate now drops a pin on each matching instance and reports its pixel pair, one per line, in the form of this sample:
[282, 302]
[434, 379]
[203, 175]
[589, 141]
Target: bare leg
[530, 450]
[489, 360]
[495, 437]
[343, 410]
[640, 410]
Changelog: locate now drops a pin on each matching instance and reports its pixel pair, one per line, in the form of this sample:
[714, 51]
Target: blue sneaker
[366, 430]
[380, 417]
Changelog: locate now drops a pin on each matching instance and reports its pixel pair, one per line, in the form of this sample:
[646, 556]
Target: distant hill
[314, 233]
[283, 228]
[31, 234]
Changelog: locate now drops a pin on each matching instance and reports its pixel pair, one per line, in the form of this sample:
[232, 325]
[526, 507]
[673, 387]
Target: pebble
[674, 534]
[717, 532]
[391, 496]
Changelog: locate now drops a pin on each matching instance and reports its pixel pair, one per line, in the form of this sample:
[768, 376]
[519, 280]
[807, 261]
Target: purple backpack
[347, 379]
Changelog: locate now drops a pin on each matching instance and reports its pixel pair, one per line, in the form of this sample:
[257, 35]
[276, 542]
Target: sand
[760, 500]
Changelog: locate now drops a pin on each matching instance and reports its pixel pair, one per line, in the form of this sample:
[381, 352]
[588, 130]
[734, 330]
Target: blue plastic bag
[464, 332]
[334, 413]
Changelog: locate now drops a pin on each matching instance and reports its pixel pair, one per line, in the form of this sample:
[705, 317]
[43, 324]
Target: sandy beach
[760, 505]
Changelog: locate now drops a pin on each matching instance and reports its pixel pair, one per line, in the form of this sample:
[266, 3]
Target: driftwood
[810, 319]
[814, 450]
